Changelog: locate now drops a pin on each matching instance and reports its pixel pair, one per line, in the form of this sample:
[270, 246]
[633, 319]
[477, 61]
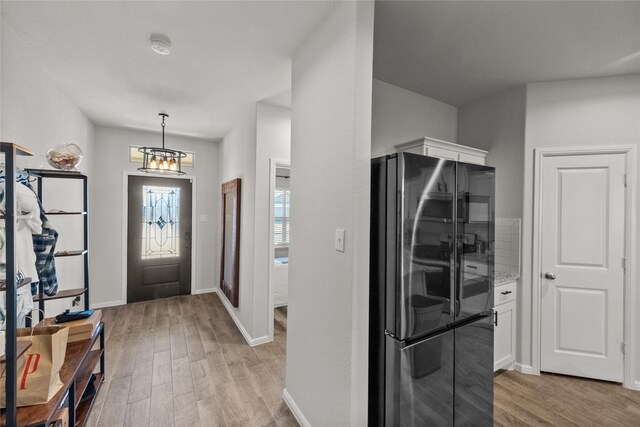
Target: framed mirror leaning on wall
[230, 254]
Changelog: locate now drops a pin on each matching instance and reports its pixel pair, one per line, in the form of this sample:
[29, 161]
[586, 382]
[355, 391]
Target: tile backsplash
[507, 245]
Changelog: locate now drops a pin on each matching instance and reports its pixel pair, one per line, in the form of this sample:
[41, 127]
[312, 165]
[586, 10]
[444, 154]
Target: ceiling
[226, 55]
[458, 52]
[229, 54]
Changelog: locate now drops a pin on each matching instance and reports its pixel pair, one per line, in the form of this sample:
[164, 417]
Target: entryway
[158, 237]
[582, 207]
[181, 361]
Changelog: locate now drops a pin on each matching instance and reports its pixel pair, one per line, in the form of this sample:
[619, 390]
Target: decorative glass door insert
[161, 227]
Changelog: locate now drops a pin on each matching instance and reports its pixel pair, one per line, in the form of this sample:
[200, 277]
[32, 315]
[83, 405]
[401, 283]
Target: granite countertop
[503, 277]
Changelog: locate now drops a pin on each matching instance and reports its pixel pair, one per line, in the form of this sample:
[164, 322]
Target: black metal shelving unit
[41, 175]
[10, 151]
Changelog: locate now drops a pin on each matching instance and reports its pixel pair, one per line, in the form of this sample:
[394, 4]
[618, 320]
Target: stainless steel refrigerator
[431, 292]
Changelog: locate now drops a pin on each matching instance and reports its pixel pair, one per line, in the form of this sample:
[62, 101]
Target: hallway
[181, 361]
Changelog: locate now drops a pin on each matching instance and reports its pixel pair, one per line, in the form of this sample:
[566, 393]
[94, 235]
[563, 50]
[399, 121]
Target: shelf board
[20, 151]
[54, 173]
[21, 347]
[84, 374]
[61, 254]
[64, 213]
[76, 354]
[67, 293]
[21, 283]
[84, 408]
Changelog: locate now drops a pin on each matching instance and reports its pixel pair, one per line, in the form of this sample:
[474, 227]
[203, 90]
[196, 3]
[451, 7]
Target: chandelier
[162, 160]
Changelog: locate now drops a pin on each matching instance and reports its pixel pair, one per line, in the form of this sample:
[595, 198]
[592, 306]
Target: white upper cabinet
[445, 150]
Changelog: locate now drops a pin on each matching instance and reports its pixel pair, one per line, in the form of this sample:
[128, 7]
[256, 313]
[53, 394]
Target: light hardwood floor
[558, 400]
[181, 361]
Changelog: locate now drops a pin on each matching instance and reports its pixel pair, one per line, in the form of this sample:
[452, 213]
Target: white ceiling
[229, 54]
[226, 55]
[457, 52]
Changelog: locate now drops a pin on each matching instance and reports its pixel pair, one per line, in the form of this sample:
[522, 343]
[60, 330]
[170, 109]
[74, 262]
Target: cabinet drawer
[504, 293]
[475, 267]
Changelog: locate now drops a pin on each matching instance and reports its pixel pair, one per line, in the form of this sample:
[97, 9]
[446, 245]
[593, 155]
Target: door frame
[274, 163]
[125, 225]
[630, 288]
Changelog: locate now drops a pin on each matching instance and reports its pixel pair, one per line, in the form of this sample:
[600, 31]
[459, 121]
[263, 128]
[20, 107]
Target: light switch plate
[339, 240]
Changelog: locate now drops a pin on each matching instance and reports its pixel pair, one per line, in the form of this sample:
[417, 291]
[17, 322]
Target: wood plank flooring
[559, 400]
[181, 361]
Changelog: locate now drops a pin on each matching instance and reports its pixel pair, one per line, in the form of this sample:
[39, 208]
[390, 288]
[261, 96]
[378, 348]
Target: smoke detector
[160, 44]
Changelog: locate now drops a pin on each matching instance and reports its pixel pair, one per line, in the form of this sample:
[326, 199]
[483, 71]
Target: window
[281, 227]
[160, 228]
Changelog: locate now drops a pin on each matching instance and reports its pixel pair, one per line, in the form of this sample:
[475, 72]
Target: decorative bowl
[64, 156]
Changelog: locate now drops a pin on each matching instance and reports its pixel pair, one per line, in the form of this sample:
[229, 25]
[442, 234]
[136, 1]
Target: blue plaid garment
[44, 245]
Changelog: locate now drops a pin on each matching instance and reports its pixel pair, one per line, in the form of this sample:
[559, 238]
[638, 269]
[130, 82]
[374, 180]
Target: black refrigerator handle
[458, 273]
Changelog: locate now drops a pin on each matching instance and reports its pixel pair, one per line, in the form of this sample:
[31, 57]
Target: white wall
[237, 159]
[576, 113]
[273, 141]
[399, 115]
[107, 216]
[326, 374]
[35, 112]
[38, 115]
[496, 123]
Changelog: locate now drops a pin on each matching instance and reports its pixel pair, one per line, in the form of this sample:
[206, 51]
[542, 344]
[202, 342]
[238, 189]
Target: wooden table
[80, 361]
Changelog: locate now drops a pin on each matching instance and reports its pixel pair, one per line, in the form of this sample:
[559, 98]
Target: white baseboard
[251, 341]
[525, 369]
[636, 385]
[204, 291]
[260, 340]
[294, 409]
[106, 304]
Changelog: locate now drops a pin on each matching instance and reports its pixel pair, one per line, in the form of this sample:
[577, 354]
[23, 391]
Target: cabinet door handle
[472, 266]
[495, 318]
[505, 292]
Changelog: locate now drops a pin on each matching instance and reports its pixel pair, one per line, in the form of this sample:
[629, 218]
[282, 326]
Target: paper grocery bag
[39, 367]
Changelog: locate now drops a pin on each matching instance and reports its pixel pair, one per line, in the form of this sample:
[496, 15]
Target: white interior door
[582, 304]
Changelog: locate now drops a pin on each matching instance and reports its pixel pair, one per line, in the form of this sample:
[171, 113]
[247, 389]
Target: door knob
[550, 276]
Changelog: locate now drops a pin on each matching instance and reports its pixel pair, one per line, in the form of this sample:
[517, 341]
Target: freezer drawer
[419, 382]
[474, 373]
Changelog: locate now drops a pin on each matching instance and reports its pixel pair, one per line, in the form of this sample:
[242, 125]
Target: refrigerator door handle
[458, 275]
[495, 318]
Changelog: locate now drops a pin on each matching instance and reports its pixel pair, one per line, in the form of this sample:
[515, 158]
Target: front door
[582, 250]
[158, 238]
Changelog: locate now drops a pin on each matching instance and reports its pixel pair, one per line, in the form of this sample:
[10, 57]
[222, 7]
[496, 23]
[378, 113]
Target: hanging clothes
[44, 246]
[28, 223]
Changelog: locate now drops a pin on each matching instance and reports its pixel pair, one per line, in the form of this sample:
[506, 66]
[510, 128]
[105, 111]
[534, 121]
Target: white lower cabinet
[504, 341]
